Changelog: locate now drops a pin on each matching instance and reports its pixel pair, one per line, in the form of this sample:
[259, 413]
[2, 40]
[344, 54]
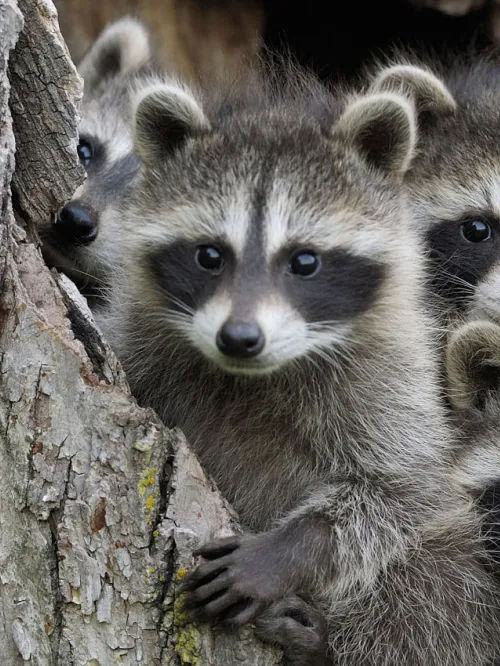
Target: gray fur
[112, 68]
[122, 48]
[332, 444]
[473, 372]
[298, 628]
[473, 364]
[164, 117]
[473, 375]
[455, 175]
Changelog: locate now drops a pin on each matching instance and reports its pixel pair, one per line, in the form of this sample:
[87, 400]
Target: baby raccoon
[454, 181]
[269, 305]
[82, 240]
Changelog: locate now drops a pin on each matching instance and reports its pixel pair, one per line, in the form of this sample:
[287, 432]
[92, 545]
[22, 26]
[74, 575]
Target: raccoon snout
[77, 223]
[240, 339]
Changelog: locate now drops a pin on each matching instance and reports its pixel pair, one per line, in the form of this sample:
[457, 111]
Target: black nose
[77, 223]
[240, 339]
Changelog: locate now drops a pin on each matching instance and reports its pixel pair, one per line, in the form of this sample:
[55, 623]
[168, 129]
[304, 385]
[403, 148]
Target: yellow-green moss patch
[148, 479]
[187, 645]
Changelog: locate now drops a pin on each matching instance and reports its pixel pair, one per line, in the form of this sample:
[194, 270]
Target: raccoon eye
[476, 230]
[85, 152]
[304, 263]
[210, 258]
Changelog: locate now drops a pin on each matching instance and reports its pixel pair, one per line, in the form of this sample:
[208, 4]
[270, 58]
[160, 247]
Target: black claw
[184, 587]
[199, 577]
[194, 602]
[216, 549]
[231, 614]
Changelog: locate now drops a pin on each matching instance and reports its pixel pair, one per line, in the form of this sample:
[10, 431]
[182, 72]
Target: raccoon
[82, 240]
[454, 180]
[455, 200]
[269, 304]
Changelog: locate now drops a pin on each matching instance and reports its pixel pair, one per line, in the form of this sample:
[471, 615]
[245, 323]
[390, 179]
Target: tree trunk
[100, 504]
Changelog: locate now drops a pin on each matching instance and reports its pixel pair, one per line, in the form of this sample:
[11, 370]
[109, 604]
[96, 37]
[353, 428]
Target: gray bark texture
[100, 504]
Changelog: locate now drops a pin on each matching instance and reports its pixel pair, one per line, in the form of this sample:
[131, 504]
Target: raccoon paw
[298, 628]
[240, 578]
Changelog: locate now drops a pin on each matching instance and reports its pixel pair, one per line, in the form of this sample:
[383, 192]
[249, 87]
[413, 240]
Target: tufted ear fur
[427, 91]
[382, 129]
[473, 364]
[121, 48]
[165, 115]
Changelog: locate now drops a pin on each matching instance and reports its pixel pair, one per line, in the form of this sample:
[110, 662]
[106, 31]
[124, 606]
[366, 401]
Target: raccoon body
[269, 304]
[82, 240]
[454, 181]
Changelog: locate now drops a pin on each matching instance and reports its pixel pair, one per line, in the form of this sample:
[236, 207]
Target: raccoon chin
[247, 368]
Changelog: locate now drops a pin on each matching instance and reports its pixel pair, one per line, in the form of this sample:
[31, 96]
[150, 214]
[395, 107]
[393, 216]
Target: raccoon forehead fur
[261, 187]
[249, 156]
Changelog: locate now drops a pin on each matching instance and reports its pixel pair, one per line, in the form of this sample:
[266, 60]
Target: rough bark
[100, 504]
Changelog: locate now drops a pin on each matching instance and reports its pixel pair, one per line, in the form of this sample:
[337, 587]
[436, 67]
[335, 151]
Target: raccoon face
[264, 243]
[107, 172]
[256, 311]
[75, 242]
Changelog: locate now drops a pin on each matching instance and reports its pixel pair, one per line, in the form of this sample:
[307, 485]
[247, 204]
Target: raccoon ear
[473, 364]
[382, 129]
[428, 92]
[122, 47]
[165, 115]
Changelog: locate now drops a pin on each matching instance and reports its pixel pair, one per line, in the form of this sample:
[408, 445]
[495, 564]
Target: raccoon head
[454, 182]
[105, 150]
[267, 238]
